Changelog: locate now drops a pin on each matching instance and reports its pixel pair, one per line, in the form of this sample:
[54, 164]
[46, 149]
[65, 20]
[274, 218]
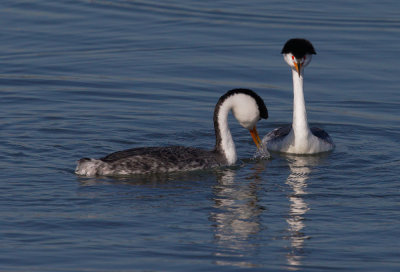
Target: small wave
[262, 154]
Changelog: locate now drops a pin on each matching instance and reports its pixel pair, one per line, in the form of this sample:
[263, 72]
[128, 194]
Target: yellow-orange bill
[256, 138]
[297, 65]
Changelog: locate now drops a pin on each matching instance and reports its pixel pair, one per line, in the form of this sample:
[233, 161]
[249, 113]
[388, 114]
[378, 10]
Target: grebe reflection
[300, 170]
[236, 218]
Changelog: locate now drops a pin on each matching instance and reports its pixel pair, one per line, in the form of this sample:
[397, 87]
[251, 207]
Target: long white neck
[224, 140]
[300, 125]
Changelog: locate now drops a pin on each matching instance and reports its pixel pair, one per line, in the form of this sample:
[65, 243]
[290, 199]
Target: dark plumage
[162, 159]
[298, 47]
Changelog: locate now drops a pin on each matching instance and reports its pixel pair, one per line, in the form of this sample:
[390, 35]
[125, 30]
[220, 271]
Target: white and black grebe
[247, 107]
[298, 138]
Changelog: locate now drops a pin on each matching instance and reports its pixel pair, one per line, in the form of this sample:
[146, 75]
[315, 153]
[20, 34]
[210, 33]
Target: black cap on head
[298, 47]
[260, 102]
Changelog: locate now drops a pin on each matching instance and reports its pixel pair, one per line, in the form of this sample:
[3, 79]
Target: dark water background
[85, 78]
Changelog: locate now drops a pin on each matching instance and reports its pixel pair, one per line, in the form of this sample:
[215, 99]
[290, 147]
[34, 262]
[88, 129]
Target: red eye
[292, 57]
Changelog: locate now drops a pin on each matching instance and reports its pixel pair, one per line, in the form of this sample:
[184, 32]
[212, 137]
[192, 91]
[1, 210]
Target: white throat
[300, 127]
[300, 140]
[227, 144]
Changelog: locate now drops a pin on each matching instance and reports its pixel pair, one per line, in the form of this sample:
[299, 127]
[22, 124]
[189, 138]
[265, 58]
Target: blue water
[86, 78]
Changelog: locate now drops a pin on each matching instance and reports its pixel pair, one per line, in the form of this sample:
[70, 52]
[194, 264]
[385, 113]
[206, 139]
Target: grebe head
[248, 112]
[298, 53]
[248, 108]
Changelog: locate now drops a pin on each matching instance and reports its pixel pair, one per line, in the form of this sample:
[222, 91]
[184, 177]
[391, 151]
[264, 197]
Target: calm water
[85, 78]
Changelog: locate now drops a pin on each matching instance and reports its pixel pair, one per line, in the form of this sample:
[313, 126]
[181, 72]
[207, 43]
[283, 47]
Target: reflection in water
[300, 169]
[236, 218]
[155, 179]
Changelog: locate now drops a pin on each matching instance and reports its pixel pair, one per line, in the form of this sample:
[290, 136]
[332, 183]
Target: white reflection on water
[300, 170]
[236, 218]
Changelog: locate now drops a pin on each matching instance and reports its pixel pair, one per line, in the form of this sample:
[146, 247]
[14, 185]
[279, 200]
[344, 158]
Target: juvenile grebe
[298, 138]
[247, 107]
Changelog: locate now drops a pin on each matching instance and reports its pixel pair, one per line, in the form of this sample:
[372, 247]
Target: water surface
[86, 78]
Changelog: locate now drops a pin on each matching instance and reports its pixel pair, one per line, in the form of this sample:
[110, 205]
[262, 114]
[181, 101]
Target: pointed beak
[297, 65]
[256, 138]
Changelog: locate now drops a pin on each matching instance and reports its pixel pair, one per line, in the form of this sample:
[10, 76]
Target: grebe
[298, 138]
[247, 107]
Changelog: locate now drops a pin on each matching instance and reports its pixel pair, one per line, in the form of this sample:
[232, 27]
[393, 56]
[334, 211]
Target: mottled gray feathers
[162, 159]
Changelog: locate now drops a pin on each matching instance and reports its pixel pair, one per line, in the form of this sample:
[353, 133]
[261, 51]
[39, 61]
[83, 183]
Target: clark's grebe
[247, 107]
[298, 138]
